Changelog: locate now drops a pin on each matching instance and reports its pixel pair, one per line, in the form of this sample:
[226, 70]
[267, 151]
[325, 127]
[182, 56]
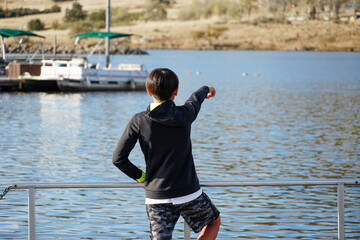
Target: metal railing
[340, 183]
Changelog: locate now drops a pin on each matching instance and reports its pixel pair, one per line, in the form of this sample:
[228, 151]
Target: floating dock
[17, 80]
[9, 84]
[14, 80]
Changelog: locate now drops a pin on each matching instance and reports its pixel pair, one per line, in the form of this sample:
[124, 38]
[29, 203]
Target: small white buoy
[197, 73]
[245, 74]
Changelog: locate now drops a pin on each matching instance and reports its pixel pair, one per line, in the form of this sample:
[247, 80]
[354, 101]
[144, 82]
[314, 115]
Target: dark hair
[162, 83]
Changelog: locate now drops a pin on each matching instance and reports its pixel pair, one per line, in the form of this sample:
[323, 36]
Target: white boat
[78, 74]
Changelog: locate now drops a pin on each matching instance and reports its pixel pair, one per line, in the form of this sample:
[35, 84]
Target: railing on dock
[340, 183]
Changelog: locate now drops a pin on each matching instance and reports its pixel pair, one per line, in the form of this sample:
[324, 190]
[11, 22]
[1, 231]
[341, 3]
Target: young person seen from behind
[171, 183]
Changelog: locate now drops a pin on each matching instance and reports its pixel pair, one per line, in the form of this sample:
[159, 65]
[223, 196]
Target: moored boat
[78, 74]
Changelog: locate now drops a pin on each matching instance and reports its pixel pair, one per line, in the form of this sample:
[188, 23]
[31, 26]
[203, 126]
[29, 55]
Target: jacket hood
[167, 114]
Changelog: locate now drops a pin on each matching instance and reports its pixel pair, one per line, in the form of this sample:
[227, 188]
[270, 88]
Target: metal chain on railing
[6, 190]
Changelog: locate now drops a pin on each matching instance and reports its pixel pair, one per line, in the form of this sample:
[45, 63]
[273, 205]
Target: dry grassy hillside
[209, 33]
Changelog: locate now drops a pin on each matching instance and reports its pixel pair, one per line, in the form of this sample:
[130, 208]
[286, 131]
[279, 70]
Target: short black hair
[161, 83]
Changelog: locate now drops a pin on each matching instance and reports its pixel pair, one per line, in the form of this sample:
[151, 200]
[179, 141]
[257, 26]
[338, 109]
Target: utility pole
[107, 40]
[54, 48]
[6, 9]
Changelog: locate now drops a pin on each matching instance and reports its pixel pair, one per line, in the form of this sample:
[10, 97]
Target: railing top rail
[301, 182]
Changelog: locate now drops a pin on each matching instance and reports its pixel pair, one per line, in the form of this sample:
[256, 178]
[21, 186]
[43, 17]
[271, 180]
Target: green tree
[55, 8]
[76, 13]
[35, 24]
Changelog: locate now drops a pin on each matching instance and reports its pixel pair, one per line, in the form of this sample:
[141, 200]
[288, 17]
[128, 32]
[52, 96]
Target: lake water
[294, 115]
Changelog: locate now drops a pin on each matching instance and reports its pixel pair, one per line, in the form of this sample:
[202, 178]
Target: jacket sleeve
[123, 149]
[193, 104]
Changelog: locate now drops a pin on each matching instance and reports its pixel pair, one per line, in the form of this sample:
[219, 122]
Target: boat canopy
[102, 35]
[5, 32]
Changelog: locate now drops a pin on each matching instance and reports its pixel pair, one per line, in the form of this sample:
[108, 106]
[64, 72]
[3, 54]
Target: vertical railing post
[187, 234]
[31, 214]
[341, 215]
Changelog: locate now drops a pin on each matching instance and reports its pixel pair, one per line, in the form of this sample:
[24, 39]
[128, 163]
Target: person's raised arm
[193, 104]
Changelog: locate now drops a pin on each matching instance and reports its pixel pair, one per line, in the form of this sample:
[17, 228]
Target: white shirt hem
[175, 201]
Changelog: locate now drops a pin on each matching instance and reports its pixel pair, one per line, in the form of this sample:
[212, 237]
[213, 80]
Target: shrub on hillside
[55, 8]
[98, 16]
[18, 12]
[35, 25]
[75, 14]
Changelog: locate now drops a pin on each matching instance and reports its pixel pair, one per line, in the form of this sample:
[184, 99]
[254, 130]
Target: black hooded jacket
[164, 137]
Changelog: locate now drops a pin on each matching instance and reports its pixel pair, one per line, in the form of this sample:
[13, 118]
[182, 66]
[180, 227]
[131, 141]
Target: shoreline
[258, 32]
[144, 51]
[212, 34]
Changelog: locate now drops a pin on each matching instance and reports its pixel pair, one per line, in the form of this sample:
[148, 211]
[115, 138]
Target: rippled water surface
[294, 115]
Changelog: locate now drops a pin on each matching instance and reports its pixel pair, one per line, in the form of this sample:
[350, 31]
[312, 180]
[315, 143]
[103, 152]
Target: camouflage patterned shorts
[197, 213]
